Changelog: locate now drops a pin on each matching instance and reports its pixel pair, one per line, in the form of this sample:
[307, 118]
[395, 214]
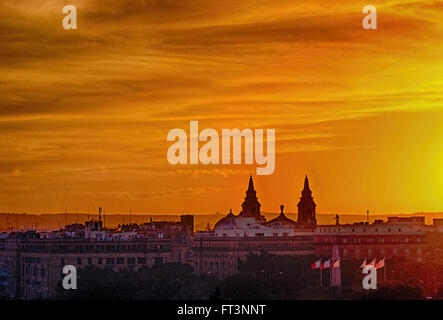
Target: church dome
[228, 222]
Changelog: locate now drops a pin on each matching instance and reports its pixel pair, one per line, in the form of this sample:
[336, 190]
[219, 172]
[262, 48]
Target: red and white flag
[326, 264]
[316, 264]
[372, 264]
[380, 264]
[363, 264]
[336, 264]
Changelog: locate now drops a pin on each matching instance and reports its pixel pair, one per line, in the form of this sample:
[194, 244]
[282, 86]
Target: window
[110, 260]
[158, 260]
[141, 260]
[100, 261]
[131, 260]
[79, 261]
[89, 261]
[120, 260]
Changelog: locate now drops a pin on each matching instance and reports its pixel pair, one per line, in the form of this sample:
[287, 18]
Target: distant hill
[47, 221]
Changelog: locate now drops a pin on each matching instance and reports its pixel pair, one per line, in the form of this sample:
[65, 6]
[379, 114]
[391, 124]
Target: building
[306, 207]
[437, 225]
[33, 265]
[216, 252]
[251, 206]
[397, 237]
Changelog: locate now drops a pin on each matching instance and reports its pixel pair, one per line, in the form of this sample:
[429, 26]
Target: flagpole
[321, 279]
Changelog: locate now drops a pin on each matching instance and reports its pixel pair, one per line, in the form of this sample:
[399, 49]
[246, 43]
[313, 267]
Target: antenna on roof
[130, 216]
[367, 216]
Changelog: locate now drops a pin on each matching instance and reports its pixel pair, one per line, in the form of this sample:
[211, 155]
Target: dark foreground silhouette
[261, 276]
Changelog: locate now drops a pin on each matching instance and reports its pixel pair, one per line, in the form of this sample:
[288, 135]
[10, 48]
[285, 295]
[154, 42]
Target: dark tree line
[261, 276]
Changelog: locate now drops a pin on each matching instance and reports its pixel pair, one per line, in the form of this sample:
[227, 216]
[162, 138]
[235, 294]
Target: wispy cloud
[91, 108]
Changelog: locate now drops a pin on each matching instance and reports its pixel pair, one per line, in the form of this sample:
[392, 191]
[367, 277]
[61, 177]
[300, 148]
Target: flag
[380, 264]
[316, 264]
[326, 264]
[364, 264]
[336, 264]
[372, 264]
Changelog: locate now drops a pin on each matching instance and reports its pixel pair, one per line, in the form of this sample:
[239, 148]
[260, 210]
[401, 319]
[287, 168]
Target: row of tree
[261, 276]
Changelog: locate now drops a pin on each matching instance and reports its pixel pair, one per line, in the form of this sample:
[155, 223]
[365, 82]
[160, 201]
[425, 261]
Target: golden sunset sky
[84, 114]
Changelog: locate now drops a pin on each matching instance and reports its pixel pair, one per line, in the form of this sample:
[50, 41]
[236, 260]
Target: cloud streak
[91, 108]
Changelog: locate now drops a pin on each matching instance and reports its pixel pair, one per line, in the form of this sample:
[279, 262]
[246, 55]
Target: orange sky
[84, 114]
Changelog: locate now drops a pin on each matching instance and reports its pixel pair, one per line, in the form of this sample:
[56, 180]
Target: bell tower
[251, 206]
[306, 207]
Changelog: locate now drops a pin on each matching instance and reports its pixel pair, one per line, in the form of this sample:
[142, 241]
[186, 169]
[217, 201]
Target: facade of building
[219, 256]
[397, 237]
[216, 252]
[34, 265]
[31, 263]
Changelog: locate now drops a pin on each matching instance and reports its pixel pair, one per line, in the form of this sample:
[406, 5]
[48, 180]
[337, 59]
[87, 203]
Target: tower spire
[306, 187]
[251, 183]
[306, 207]
[251, 206]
